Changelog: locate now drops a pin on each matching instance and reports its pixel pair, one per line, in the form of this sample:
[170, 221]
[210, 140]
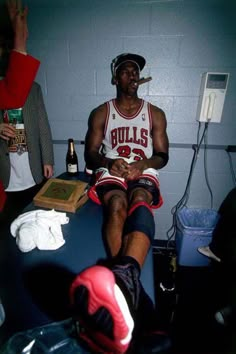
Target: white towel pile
[39, 228]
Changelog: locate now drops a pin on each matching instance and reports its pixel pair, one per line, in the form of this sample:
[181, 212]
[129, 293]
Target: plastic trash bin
[194, 228]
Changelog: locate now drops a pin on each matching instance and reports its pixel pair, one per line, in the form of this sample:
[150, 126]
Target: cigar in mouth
[143, 80]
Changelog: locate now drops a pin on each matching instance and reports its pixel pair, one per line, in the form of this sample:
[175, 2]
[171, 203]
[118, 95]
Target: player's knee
[140, 218]
[140, 196]
[117, 203]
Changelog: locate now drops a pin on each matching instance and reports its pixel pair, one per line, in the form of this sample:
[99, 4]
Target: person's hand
[118, 168]
[7, 131]
[18, 17]
[135, 170]
[47, 171]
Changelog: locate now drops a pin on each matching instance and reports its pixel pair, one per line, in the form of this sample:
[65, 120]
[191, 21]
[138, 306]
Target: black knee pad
[140, 218]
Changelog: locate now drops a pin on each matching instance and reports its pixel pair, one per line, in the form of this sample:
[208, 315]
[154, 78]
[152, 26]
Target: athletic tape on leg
[140, 218]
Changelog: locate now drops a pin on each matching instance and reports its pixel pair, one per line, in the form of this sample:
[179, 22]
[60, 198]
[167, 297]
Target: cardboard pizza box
[62, 195]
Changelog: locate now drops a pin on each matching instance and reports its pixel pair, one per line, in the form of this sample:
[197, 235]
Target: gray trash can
[194, 228]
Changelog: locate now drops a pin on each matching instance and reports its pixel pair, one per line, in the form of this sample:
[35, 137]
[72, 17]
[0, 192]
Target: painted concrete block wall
[76, 41]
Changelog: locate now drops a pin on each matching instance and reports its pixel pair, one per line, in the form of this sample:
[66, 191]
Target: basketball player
[126, 144]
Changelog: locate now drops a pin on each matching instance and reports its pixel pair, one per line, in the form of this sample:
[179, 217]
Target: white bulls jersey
[128, 137]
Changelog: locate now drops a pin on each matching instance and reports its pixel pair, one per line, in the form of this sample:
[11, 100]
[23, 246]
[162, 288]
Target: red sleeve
[14, 88]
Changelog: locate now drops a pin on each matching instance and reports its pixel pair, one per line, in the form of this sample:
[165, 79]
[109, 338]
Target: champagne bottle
[71, 159]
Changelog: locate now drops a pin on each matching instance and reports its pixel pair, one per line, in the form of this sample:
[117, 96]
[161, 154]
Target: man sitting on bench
[126, 144]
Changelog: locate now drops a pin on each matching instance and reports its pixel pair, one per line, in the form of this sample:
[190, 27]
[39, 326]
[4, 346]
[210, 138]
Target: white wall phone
[212, 96]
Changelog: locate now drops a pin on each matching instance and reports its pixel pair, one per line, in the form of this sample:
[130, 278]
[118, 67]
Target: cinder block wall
[76, 41]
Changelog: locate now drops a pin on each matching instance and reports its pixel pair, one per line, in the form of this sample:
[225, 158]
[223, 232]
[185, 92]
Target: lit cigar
[143, 80]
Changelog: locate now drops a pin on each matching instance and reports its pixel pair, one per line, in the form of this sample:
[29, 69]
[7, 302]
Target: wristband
[163, 155]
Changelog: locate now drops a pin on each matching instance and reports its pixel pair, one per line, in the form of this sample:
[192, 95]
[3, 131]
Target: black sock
[123, 260]
[127, 273]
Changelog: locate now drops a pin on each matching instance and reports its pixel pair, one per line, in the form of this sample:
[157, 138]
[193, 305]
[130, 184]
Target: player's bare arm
[160, 139]
[94, 137]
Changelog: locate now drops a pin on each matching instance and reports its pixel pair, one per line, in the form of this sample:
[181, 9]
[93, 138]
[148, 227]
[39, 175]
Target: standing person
[26, 152]
[21, 69]
[126, 144]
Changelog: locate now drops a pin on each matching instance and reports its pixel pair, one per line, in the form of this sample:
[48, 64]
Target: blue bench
[34, 285]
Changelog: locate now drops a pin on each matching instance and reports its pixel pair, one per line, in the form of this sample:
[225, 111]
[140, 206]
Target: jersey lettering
[127, 135]
[139, 154]
[125, 151]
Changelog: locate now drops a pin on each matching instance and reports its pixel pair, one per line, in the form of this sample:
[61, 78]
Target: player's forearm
[95, 160]
[157, 161]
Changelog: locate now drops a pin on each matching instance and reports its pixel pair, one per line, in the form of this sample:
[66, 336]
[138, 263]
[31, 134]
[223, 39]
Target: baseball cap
[123, 58]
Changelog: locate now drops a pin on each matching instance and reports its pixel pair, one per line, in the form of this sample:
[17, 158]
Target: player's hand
[119, 168]
[135, 170]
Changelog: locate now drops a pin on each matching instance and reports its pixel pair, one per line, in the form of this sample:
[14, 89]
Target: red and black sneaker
[102, 310]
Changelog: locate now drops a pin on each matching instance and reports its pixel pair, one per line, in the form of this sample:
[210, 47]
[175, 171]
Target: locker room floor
[187, 313]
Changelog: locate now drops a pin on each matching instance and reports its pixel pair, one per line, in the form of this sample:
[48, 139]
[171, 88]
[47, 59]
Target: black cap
[123, 58]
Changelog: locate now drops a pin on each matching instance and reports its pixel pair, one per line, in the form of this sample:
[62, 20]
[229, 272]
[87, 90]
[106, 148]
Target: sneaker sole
[102, 310]
[205, 251]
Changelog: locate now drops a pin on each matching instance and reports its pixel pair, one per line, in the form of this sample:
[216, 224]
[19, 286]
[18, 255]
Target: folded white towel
[39, 228]
[30, 216]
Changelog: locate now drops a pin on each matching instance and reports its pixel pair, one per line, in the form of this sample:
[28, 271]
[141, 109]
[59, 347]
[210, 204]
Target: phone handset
[209, 105]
